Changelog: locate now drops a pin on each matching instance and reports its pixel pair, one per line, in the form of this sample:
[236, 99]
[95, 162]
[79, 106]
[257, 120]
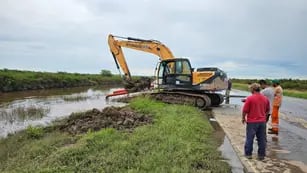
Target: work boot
[260, 158]
[248, 156]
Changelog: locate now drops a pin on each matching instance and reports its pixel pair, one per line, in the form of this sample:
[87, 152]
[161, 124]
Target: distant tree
[106, 73]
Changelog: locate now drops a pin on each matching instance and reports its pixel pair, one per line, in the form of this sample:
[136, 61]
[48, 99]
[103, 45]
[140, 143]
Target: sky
[246, 39]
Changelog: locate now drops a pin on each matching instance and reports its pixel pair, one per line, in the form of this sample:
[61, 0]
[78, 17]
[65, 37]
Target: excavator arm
[151, 46]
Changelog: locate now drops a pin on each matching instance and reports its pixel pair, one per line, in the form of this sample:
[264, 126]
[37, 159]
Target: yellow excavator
[177, 81]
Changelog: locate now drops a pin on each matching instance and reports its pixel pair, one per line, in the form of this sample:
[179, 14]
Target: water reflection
[20, 109]
[229, 153]
[22, 113]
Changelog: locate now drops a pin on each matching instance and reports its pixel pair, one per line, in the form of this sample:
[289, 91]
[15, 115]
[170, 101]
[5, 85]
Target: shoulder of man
[252, 97]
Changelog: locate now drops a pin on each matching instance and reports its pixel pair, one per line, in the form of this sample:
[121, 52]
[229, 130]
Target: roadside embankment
[228, 117]
[149, 136]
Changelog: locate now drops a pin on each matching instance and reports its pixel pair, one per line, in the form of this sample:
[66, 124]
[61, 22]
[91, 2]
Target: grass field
[286, 92]
[240, 86]
[179, 140]
[295, 93]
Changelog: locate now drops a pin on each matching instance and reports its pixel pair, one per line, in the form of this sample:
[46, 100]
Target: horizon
[259, 78]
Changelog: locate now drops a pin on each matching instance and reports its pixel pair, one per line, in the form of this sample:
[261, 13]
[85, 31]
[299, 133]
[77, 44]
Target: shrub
[106, 73]
[34, 132]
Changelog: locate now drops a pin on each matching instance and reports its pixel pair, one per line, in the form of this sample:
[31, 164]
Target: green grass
[286, 92]
[34, 132]
[294, 84]
[240, 86]
[295, 93]
[179, 140]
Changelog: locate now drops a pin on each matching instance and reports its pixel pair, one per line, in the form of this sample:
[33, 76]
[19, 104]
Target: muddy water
[48, 104]
[233, 159]
[291, 142]
[225, 146]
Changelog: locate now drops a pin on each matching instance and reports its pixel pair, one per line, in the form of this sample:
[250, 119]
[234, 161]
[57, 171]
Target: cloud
[244, 38]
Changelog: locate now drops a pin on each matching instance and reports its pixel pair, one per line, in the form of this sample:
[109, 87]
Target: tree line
[295, 84]
[18, 80]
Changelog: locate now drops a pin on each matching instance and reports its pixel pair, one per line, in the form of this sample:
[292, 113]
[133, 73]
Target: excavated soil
[111, 117]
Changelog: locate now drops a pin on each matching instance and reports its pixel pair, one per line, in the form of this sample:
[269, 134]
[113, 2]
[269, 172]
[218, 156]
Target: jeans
[258, 129]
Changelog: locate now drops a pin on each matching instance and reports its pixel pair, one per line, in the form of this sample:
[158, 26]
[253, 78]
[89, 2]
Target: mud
[120, 118]
[141, 84]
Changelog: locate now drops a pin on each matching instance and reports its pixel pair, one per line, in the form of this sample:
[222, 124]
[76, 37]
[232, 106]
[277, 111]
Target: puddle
[229, 153]
[226, 149]
[290, 144]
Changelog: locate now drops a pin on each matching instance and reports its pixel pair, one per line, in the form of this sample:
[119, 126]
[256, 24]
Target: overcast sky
[247, 39]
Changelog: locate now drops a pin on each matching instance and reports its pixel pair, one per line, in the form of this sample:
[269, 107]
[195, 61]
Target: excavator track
[202, 101]
[216, 99]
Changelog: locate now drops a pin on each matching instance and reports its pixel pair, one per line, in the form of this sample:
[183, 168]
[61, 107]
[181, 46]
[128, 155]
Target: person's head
[254, 87]
[263, 84]
[275, 82]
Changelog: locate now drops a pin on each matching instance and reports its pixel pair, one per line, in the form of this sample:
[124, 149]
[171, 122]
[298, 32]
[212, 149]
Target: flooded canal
[21, 109]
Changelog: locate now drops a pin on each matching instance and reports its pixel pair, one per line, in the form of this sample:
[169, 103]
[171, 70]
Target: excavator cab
[174, 73]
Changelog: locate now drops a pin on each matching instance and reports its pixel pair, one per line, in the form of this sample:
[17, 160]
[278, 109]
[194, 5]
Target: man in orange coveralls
[276, 105]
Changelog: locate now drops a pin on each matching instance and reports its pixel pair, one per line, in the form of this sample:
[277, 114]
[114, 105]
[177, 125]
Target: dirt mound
[138, 85]
[110, 117]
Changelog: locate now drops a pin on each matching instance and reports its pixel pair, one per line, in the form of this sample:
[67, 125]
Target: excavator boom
[151, 46]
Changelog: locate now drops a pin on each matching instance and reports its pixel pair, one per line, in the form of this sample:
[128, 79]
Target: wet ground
[229, 153]
[290, 144]
[226, 148]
